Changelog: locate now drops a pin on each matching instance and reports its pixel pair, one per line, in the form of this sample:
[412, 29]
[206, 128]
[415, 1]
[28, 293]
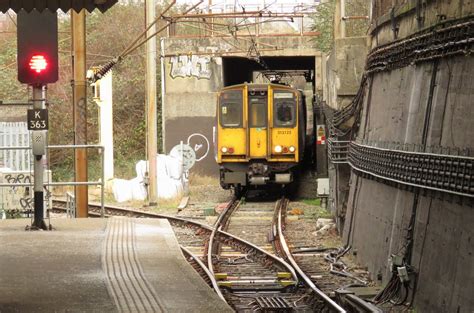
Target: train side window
[230, 108]
[284, 109]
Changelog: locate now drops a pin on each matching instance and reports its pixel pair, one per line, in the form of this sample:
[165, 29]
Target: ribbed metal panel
[54, 5]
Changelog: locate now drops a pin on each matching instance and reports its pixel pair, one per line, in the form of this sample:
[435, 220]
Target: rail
[219, 235]
[287, 253]
[222, 219]
[209, 275]
[70, 205]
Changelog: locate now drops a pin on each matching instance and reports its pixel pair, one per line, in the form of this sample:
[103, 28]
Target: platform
[99, 265]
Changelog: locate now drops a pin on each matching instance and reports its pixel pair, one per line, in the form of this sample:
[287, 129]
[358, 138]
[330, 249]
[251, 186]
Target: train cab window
[284, 109]
[257, 112]
[230, 108]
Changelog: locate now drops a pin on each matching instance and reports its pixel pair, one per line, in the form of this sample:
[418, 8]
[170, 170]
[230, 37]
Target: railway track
[245, 257]
[254, 221]
[251, 278]
[312, 268]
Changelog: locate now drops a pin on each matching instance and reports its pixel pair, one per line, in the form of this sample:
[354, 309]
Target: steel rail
[221, 235]
[221, 220]
[206, 270]
[120, 211]
[265, 254]
[282, 204]
[361, 305]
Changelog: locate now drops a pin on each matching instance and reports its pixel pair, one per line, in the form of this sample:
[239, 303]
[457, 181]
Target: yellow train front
[260, 134]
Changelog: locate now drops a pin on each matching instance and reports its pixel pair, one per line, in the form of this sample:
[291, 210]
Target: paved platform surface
[99, 265]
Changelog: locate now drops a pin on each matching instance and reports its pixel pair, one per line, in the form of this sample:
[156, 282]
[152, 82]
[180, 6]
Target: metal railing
[100, 183]
[338, 151]
[70, 205]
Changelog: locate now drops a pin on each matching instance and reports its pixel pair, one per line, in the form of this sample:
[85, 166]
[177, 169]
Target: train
[263, 132]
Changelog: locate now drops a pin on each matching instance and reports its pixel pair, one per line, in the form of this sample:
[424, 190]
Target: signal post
[37, 60]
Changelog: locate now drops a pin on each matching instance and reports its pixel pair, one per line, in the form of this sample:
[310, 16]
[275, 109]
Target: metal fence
[338, 151]
[49, 183]
[15, 134]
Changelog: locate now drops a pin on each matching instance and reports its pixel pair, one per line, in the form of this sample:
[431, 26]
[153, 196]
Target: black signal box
[37, 42]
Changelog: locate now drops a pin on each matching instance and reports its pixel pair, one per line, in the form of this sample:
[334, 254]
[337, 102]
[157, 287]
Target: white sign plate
[188, 154]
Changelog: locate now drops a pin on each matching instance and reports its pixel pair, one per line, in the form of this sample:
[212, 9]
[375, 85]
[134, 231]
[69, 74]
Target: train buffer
[99, 265]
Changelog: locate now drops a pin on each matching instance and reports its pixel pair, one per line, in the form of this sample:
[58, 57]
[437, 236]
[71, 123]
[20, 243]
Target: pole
[106, 124]
[39, 97]
[78, 23]
[343, 22]
[151, 107]
[339, 26]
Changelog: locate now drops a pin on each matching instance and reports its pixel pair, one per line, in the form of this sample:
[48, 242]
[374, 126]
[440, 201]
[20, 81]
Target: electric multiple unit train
[262, 134]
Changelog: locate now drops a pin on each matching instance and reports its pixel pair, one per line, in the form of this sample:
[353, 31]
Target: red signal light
[231, 150]
[38, 63]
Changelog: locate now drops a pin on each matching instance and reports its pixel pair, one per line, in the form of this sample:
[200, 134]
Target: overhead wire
[137, 43]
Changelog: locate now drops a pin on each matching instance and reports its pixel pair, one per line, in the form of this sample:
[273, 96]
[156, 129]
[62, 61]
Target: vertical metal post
[343, 21]
[211, 26]
[39, 97]
[102, 187]
[339, 24]
[163, 91]
[151, 107]
[78, 23]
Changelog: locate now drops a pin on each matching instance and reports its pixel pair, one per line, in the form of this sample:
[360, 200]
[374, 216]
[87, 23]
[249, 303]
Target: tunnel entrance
[299, 71]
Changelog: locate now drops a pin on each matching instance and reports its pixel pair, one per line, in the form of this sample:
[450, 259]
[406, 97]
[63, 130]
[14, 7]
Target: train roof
[257, 86]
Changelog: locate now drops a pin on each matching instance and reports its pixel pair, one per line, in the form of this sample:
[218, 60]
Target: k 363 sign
[38, 119]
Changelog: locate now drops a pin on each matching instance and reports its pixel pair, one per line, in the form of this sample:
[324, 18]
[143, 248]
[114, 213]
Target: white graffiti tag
[187, 66]
[201, 144]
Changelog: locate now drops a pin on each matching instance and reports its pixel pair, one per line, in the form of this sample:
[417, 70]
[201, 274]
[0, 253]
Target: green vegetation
[107, 35]
[323, 21]
[316, 201]
[313, 209]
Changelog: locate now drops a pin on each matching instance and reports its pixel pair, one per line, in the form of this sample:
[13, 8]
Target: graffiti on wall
[16, 200]
[191, 66]
[200, 144]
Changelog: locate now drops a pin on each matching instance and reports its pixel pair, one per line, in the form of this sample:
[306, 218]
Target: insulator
[104, 70]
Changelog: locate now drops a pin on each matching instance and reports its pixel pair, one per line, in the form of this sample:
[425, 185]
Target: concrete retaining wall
[395, 112]
[378, 215]
[193, 74]
[344, 69]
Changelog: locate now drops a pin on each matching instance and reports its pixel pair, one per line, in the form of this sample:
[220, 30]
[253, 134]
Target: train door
[257, 123]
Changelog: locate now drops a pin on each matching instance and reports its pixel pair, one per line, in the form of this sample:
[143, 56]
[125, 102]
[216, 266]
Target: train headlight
[292, 149]
[278, 149]
[224, 149]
